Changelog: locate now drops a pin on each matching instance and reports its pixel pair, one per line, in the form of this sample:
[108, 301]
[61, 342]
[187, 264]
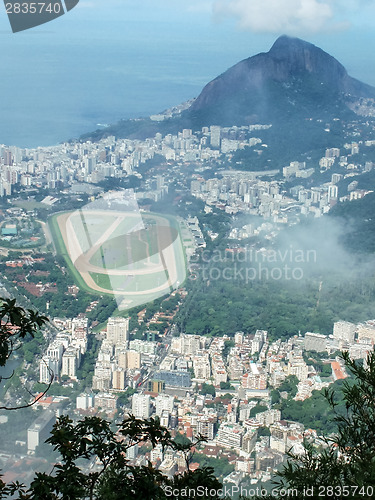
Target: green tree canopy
[115, 479]
[345, 467]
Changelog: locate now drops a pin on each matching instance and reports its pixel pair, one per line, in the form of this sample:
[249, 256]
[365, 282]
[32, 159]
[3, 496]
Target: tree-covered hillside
[358, 219]
[284, 308]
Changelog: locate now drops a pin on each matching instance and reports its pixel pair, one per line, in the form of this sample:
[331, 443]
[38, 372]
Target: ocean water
[107, 60]
[113, 59]
[50, 94]
[96, 65]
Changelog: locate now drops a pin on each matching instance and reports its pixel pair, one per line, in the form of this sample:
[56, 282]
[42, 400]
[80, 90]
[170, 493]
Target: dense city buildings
[228, 388]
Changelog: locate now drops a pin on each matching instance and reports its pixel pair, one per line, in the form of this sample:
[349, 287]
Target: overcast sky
[239, 28]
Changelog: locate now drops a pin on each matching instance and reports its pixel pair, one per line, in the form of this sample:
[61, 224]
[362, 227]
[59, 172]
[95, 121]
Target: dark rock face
[292, 71]
[291, 56]
[295, 81]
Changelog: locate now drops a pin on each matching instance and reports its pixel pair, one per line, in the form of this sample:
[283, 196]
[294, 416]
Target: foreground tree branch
[345, 467]
[16, 324]
[93, 464]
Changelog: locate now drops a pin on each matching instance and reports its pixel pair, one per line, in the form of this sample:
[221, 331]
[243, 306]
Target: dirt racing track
[143, 254]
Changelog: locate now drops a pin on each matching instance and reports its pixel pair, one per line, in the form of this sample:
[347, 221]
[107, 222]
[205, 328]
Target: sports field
[135, 257]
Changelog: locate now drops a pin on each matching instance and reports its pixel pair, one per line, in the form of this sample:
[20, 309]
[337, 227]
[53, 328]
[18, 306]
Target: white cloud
[280, 16]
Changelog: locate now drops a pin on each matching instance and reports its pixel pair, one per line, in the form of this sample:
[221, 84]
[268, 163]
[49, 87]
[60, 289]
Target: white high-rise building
[164, 402]
[315, 342]
[215, 136]
[40, 429]
[259, 338]
[366, 330]
[206, 426]
[157, 453]
[239, 338]
[298, 367]
[55, 351]
[164, 418]
[202, 367]
[143, 346]
[343, 330]
[48, 367]
[187, 344]
[118, 331]
[70, 362]
[132, 452]
[230, 435]
[141, 405]
[333, 192]
[84, 401]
